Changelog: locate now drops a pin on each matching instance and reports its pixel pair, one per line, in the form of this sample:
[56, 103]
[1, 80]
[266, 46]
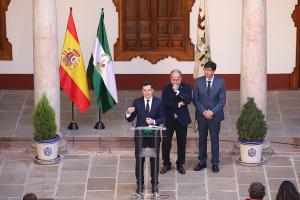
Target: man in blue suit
[148, 111]
[209, 98]
[176, 96]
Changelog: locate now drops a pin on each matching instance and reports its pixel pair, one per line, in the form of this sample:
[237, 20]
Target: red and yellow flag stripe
[73, 78]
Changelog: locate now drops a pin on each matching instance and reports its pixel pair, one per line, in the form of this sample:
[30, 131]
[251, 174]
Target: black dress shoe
[140, 189]
[180, 169]
[154, 189]
[199, 167]
[215, 169]
[165, 169]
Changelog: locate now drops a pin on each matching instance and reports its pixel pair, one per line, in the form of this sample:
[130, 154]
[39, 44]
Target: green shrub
[251, 125]
[43, 119]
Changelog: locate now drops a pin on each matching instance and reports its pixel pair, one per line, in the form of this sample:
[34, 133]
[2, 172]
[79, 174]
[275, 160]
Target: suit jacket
[156, 112]
[170, 101]
[214, 102]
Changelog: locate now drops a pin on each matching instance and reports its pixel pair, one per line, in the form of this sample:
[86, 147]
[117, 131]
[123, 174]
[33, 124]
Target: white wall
[281, 34]
[224, 24]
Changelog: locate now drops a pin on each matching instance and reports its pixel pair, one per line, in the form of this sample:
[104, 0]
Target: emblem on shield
[70, 58]
[104, 60]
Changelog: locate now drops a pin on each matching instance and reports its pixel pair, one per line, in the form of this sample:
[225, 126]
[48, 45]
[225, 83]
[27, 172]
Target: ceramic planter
[251, 151]
[47, 149]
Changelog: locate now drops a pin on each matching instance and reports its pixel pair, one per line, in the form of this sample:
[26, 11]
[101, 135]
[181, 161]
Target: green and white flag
[100, 71]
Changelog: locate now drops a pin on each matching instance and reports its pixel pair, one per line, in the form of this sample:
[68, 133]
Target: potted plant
[252, 129]
[44, 127]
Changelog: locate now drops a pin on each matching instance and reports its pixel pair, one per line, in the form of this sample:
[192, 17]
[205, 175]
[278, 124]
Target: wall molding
[134, 81]
[295, 76]
[5, 45]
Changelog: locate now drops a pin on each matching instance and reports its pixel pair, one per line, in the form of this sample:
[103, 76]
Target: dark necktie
[208, 88]
[146, 132]
[147, 107]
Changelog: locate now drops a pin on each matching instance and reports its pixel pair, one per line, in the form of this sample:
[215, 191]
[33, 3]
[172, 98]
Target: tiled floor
[89, 172]
[97, 177]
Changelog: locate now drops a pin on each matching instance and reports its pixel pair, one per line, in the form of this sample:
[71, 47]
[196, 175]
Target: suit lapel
[152, 104]
[171, 93]
[214, 84]
[203, 85]
[142, 103]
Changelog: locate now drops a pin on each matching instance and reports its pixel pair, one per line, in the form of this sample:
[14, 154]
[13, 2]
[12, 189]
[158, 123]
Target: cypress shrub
[43, 119]
[251, 125]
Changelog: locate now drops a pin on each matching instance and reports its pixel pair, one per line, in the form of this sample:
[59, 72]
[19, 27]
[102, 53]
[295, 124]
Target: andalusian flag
[101, 72]
[202, 54]
[73, 78]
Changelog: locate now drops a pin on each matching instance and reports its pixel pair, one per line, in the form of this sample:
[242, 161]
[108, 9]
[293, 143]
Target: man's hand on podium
[150, 121]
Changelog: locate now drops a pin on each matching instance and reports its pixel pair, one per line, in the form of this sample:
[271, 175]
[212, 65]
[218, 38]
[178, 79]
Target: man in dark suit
[176, 96]
[148, 111]
[209, 98]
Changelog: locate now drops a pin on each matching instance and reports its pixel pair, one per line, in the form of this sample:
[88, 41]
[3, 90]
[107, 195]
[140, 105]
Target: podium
[147, 141]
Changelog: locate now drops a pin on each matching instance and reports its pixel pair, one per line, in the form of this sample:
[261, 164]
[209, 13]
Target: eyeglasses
[208, 69]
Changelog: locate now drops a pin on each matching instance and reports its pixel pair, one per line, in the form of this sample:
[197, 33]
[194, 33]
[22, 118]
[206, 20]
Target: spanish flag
[73, 78]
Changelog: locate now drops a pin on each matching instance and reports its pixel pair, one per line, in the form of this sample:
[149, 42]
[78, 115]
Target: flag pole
[73, 125]
[99, 125]
[101, 73]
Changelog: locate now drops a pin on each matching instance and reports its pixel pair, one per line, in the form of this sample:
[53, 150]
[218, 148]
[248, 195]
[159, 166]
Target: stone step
[94, 145]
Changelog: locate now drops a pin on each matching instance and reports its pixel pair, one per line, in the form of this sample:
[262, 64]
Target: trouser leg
[139, 161]
[203, 132]
[214, 130]
[166, 146]
[154, 162]
[181, 132]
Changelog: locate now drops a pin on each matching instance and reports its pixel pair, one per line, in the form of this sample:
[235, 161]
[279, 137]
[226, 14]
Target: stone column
[254, 53]
[45, 54]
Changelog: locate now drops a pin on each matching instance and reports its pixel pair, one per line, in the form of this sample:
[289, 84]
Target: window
[154, 30]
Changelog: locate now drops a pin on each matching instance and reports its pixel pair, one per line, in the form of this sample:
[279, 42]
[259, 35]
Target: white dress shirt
[150, 103]
[211, 81]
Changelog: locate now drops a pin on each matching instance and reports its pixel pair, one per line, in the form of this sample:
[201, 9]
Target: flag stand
[99, 125]
[73, 125]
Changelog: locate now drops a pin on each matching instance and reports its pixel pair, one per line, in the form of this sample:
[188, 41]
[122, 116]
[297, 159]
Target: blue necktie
[208, 88]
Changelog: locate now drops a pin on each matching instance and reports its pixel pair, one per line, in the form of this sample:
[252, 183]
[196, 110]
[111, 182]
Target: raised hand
[130, 110]
[175, 87]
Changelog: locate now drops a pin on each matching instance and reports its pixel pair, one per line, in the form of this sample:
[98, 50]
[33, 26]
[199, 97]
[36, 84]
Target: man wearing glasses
[209, 98]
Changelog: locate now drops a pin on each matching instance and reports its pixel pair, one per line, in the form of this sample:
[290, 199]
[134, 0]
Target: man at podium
[148, 111]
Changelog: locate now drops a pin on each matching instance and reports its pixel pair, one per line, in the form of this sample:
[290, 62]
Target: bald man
[175, 97]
